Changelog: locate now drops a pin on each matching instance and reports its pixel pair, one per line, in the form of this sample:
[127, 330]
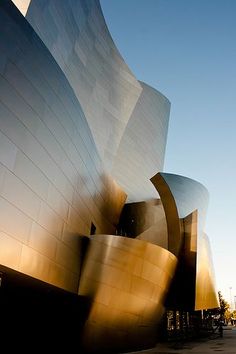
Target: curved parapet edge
[189, 195]
[180, 197]
[171, 212]
[127, 281]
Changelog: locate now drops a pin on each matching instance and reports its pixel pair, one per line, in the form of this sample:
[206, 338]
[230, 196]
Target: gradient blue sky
[187, 50]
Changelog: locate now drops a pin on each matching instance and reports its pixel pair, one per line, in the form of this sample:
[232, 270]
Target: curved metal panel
[77, 36]
[124, 115]
[206, 295]
[145, 221]
[143, 145]
[52, 180]
[189, 195]
[127, 281]
[65, 124]
[180, 197]
[175, 235]
[185, 203]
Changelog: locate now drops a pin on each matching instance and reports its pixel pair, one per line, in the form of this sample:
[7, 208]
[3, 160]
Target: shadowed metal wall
[145, 221]
[52, 181]
[127, 281]
[185, 203]
[180, 197]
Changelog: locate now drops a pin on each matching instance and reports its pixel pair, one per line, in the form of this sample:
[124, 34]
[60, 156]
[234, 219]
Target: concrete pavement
[214, 344]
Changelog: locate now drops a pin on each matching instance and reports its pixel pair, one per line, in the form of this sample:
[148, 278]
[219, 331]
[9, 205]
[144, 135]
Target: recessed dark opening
[92, 229]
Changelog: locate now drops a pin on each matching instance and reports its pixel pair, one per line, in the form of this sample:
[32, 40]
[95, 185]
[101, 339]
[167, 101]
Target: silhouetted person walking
[221, 328]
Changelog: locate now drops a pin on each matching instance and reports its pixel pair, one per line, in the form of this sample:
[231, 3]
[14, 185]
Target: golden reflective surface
[127, 281]
[206, 296]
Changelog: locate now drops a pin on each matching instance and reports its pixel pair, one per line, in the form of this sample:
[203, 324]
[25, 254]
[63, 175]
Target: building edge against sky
[80, 136]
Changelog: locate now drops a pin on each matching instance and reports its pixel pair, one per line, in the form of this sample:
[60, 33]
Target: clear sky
[187, 50]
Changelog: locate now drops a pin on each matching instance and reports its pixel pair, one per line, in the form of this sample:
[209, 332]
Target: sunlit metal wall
[52, 181]
[142, 147]
[77, 36]
[206, 296]
[127, 281]
[123, 114]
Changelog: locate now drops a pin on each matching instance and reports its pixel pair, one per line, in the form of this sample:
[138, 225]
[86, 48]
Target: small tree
[223, 311]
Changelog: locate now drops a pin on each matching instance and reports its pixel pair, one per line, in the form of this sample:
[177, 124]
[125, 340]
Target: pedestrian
[221, 328]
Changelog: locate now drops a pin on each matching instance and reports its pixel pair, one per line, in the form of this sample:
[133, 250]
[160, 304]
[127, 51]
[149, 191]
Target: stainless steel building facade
[80, 139]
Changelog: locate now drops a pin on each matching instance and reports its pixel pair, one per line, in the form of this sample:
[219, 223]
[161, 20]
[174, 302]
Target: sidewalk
[226, 344]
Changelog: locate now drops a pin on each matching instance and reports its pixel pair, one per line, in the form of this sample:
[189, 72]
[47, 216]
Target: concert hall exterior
[91, 229]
